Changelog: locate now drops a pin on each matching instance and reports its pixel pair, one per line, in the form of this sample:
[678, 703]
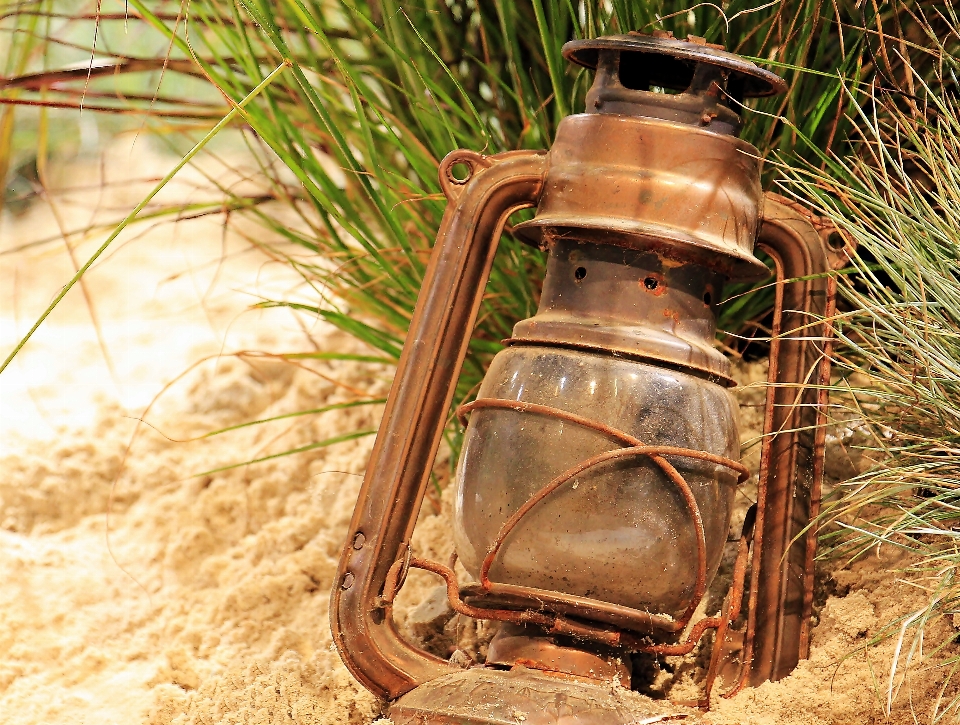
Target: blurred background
[173, 288]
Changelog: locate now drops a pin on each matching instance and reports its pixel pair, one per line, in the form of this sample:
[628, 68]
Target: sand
[137, 588]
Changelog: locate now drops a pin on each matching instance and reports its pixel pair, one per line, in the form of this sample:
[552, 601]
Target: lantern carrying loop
[452, 184]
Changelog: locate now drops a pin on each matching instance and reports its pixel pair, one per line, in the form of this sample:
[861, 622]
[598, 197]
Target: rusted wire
[729, 614]
[396, 576]
[655, 452]
[555, 623]
[679, 648]
[731, 605]
[550, 622]
[636, 447]
[523, 407]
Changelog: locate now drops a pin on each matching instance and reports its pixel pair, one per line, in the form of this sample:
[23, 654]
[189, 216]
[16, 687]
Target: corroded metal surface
[804, 250]
[482, 696]
[534, 649]
[599, 461]
[415, 414]
[678, 58]
[688, 194]
[634, 303]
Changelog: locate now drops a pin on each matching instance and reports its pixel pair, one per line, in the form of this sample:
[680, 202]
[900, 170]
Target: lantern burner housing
[683, 81]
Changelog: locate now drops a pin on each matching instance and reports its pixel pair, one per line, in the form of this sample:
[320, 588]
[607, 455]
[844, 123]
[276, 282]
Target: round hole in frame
[460, 172]
[835, 241]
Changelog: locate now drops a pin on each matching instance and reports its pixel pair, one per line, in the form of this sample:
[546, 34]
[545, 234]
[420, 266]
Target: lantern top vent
[659, 76]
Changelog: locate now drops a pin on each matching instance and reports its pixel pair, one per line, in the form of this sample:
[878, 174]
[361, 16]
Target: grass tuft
[897, 195]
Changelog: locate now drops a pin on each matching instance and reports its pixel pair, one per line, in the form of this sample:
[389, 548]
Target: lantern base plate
[482, 696]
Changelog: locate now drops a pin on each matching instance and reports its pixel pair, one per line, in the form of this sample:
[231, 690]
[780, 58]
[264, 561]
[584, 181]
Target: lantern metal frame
[781, 529]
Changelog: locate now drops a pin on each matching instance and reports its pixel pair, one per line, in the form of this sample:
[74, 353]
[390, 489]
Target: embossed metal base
[482, 696]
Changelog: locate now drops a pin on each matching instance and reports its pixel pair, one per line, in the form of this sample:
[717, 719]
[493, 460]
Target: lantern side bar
[416, 412]
[792, 467]
[819, 453]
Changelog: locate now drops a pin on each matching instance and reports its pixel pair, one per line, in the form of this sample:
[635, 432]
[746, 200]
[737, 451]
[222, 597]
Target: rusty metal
[674, 326]
[558, 624]
[819, 454]
[416, 412]
[642, 170]
[530, 647]
[621, 180]
[672, 66]
[732, 605]
[553, 623]
[523, 696]
[646, 204]
[791, 473]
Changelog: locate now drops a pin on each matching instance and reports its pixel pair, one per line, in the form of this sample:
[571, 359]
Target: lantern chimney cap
[674, 59]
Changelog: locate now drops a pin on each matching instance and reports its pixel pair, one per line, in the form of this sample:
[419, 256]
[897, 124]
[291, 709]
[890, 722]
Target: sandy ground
[139, 586]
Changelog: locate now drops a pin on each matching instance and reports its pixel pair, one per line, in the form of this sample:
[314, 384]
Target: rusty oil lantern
[600, 461]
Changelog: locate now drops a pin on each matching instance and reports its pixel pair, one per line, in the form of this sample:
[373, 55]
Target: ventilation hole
[651, 283]
[654, 72]
[707, 298]
[580, 273]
